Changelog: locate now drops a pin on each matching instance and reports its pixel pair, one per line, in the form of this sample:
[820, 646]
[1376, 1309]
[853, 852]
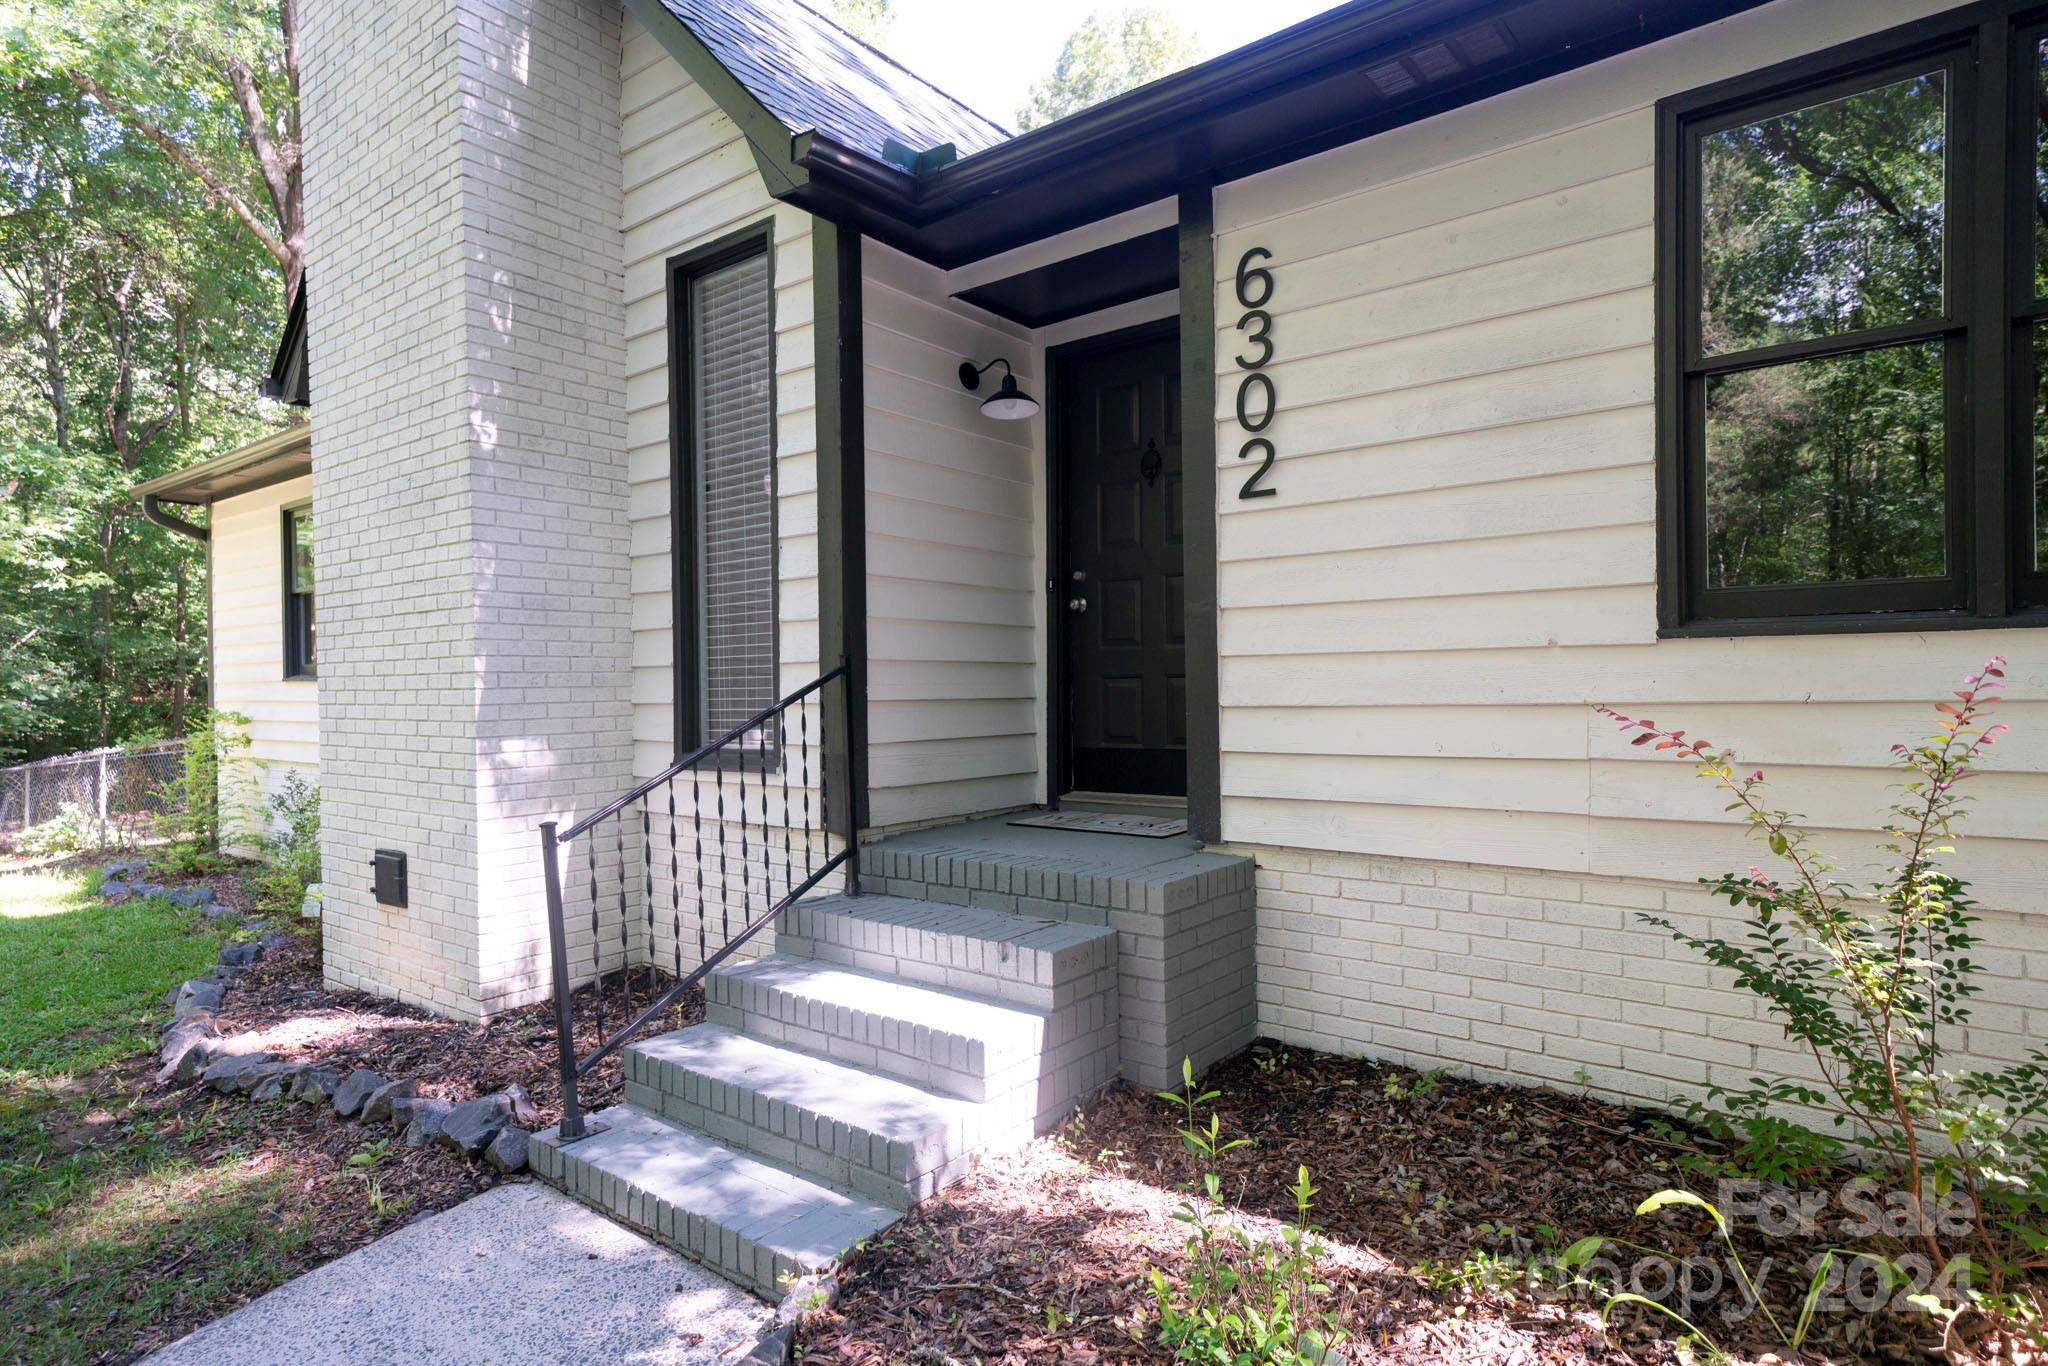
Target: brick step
[746, 1219]
[960, 1045]
[1023, 960]
[883, 1139]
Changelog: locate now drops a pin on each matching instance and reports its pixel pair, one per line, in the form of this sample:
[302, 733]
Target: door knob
[1077, 604]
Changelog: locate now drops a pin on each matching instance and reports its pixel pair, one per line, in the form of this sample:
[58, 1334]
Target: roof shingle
[813, 75]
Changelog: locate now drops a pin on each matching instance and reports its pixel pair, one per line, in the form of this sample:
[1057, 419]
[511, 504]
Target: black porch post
[1198, 506]
[842, 511]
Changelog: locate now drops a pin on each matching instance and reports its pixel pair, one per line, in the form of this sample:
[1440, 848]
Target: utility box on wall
[388, 867]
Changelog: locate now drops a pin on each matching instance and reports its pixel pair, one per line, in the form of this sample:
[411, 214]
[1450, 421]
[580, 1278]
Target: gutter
[154, 511]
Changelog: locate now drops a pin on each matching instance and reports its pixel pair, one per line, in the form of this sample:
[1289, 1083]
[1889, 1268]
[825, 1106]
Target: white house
[1400, 386]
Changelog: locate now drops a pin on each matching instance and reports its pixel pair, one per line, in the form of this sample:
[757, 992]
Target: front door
[1118, 591]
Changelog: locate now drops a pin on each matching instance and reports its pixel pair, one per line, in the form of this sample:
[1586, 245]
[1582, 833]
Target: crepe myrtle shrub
[1243, 1300]
[1874, 982]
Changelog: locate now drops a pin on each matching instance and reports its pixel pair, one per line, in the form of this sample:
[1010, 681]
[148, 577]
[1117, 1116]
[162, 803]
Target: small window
[722, 326]
[298, 593]
[1837, 359]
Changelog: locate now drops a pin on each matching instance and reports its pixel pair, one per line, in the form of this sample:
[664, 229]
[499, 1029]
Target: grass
[116, 1215]
[82, 983]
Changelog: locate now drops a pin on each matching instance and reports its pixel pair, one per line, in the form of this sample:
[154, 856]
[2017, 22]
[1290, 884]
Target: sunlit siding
[247, 550]
[954, 549]
[1461, 557]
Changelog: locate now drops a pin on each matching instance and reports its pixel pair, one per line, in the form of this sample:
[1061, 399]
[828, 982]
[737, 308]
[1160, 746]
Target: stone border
[493, 1129]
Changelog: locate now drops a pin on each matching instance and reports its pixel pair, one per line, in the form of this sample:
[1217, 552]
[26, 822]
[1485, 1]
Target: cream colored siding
[954, 549]
[1461, 556]
[691, 180]
[247, 551]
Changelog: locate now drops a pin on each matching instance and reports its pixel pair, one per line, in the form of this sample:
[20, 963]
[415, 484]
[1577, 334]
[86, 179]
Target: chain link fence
[119, 789]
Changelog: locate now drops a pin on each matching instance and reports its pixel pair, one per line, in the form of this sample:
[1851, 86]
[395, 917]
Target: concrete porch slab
[519, 1273]
[1183, 916]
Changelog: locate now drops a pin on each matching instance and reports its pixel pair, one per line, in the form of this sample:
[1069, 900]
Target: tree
[866, 20]
[135, 318]
[1106, 56]
[211, 85]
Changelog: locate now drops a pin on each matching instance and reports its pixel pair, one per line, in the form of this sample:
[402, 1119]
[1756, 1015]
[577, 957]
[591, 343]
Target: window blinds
[732, 418]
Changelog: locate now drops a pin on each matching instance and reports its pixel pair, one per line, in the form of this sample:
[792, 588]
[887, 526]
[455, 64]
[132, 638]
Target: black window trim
[1988, 270]
[296, 668]
[684, 269]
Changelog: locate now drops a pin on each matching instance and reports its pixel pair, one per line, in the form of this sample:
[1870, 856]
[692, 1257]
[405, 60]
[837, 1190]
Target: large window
[722, 328]
[298, 593]
[1848, 260]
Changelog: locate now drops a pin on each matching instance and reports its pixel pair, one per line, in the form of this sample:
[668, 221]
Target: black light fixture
[1008, 403]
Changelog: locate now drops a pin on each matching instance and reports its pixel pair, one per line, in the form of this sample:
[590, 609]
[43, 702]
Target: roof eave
[260, 464]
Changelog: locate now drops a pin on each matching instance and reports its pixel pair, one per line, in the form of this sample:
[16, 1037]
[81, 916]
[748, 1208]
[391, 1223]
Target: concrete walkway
[519, 1273]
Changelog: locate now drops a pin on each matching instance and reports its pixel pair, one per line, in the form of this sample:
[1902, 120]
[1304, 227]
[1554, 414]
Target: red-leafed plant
[1874, 982]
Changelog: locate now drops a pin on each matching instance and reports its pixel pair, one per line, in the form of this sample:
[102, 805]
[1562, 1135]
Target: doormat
[1105, 823]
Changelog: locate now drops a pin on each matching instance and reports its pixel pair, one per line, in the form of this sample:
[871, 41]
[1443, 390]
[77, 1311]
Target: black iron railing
[749, 808]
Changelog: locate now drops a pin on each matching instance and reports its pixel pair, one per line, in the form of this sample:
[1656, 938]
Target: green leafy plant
[1422, 1086]
[73, 828]
[289, 847]
[1693, 1336]
[1245, 1301]
[1874, 983]
[208, 795]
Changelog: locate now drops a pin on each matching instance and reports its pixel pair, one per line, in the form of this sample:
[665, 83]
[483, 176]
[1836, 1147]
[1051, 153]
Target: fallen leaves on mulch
[1043, 1255]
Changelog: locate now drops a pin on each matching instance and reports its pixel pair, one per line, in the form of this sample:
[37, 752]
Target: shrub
[73, 828]
[209, 793]
[1874, 983]
[290, 847]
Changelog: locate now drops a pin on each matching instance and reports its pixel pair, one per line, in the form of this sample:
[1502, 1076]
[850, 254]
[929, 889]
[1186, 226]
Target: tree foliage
[866, 20]
[137, 313]
[1104, 57]
[1818, 223]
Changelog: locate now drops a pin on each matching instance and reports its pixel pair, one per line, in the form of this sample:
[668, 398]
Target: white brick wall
[1535, 977]
[466, 327]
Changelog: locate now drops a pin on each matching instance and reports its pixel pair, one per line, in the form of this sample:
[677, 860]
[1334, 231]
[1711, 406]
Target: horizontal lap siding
[690, 180]
[248, 634]
[953, 537]
[1461, 557]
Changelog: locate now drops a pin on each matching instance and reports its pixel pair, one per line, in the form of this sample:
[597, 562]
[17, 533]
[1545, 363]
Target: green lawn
[121, 1215]
[82, 983]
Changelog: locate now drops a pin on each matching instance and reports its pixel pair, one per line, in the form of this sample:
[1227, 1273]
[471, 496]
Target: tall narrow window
[721, 315]
[298, 593]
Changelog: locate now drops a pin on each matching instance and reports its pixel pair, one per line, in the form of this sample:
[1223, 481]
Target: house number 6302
[1256, 401]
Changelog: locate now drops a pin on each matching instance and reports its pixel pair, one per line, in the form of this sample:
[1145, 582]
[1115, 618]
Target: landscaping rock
[774, 1348]
[209, 1051]
[189, 896]
[378, 1106]
[507, 1151]
[240, 1074]
[180, 1039]
[423, 1120]
[350, 1095]
[126, 868]
[316, 1084]
[470, 1126]
[240, 954]
[111, 887]
[521, 1105]
[216, 911]
[271, 943]
[195, 997]
[310, 907]
[274, 1084]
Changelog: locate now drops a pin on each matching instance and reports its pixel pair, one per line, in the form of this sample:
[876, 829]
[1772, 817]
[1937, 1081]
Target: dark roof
[815, 76]
[1346, 74]
[287, 377]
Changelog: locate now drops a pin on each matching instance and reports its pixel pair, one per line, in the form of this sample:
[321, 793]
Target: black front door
[1118, 588]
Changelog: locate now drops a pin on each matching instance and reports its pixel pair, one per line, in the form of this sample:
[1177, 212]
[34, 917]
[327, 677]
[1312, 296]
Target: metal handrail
[573, 1125]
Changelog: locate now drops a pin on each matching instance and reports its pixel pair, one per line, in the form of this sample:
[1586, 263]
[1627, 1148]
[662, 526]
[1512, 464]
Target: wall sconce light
[1008, 403]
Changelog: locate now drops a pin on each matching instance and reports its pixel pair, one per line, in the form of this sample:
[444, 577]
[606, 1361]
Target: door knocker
[1151, 462]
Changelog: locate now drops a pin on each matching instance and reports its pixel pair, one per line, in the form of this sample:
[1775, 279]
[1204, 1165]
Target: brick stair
[865, 1065]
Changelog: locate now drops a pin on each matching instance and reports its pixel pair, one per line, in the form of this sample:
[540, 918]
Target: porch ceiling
[1118, 273]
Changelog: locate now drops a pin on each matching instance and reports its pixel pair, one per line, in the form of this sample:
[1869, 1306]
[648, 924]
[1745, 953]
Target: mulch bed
[1044, 1255]
[283, 998]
